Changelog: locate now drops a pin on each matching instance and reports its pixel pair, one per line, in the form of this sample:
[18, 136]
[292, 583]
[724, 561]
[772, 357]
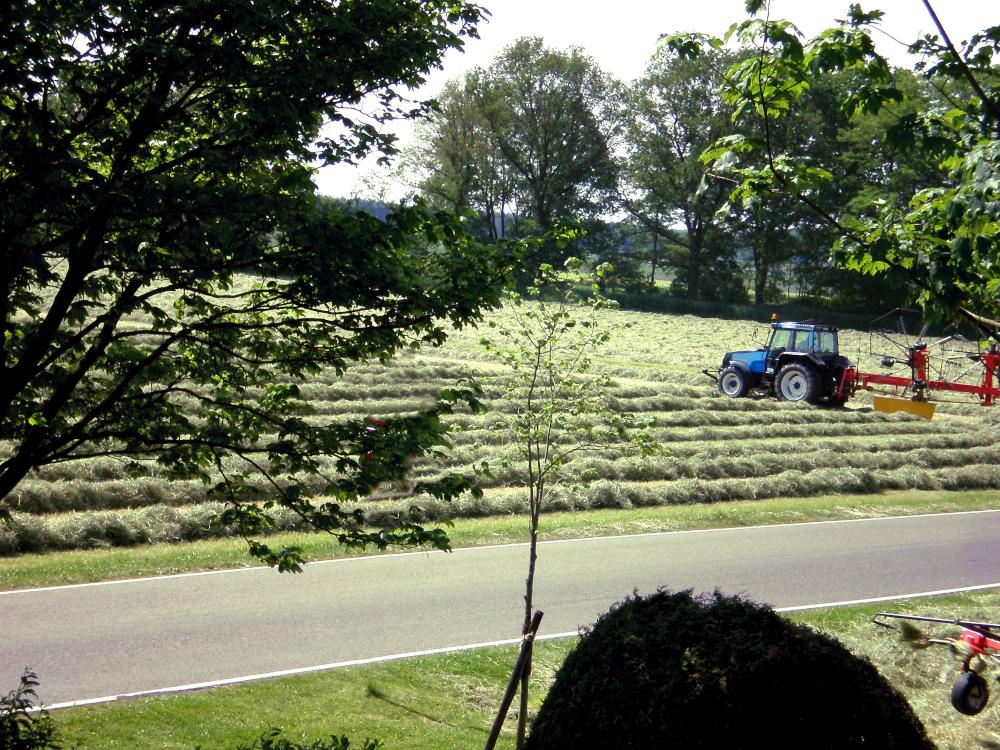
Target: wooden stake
[515, 677]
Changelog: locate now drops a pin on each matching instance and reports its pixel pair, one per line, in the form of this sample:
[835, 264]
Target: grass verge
[448, 701]
[85, 566]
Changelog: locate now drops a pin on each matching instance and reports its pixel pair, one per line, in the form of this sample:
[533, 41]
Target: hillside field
[716, 448]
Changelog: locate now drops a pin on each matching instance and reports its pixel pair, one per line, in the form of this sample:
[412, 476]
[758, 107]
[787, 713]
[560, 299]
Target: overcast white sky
[622, 35]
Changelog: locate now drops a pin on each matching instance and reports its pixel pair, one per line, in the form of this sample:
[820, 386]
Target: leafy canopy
[170, 274]
[945, 235]
[526, 143]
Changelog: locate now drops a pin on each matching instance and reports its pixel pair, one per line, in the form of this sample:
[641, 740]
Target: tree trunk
[694, 270]
[696, 243]
[652, 260]
[760, 272]
[12, 471]
[522, 710]
[529, 589]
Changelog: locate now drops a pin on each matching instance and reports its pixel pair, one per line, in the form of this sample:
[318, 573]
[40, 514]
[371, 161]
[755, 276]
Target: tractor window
[781, 339]
[802, 341]
[826, 342]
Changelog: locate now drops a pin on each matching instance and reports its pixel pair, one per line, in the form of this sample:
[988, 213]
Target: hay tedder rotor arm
[977, 647]
[921, 384]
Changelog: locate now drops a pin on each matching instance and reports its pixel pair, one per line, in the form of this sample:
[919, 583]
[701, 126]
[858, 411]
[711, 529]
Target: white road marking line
[450, 650]
[146, 579]
[467, 550]
[298, 670]
[897, 597]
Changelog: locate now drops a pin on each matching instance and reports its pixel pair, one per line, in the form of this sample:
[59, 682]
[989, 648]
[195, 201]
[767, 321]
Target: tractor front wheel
[797, 383]
[970, 693]
[733, 382]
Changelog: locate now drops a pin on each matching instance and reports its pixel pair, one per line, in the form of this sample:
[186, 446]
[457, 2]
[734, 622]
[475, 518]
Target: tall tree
[168, 273]
[456, 162]
[548, 112]
[525, 143]
[672, 114]
[871, 170]
[780, 230]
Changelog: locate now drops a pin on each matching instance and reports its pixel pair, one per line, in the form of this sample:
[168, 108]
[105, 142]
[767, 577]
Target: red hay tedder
[801, 361]
[919, 383]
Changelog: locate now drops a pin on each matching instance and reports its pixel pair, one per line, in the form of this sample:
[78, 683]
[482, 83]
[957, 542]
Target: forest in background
[543, 139]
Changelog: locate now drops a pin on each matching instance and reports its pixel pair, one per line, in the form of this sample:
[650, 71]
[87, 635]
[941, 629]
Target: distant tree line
[543, 137]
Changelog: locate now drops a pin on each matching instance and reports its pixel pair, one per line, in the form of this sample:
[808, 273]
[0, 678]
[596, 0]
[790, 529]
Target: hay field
[718, 448]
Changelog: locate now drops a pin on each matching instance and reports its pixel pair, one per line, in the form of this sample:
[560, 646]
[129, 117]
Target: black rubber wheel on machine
[970, 693]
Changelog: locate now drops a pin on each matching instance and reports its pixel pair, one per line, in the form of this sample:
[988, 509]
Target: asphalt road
[101, 640]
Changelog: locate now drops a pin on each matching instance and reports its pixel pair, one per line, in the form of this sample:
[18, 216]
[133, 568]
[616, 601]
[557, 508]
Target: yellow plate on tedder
[922, 409]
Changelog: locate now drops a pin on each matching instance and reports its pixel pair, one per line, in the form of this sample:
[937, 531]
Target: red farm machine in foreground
[802, 362]
[975, 649]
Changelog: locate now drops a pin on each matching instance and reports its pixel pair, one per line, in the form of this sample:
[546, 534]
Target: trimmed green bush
[678, 671]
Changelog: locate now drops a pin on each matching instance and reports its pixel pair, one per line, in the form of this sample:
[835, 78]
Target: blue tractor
[800, 362]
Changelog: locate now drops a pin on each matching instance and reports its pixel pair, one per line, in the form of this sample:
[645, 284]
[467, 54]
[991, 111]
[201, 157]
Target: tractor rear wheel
[970, 693]
[797, 382]
[733, 382]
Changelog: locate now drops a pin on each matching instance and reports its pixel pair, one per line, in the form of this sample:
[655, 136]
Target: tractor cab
[800, 338]
[794, 338]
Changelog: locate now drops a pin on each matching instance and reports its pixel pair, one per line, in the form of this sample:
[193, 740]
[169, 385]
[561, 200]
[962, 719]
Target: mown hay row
[465, 439]
[709, 458]
[841, 444]
[383, 407]
[422, 388]
[41, 497]
[761, 465]
[159, 523]
[762, 433]
[154, 524]
[404, 368]
[624, 494]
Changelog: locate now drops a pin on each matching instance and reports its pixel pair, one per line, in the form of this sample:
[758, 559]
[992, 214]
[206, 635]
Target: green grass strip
[448, 701]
